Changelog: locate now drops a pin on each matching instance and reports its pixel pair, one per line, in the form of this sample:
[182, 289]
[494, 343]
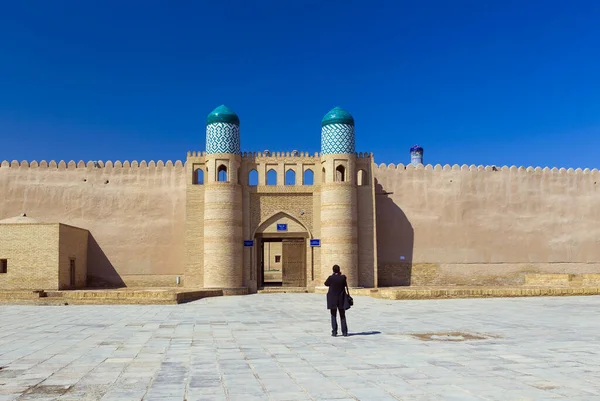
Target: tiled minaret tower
[338, 195]
[416, 155]
[223, 242]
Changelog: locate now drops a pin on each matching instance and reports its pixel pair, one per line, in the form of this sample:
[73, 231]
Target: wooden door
[293, 256]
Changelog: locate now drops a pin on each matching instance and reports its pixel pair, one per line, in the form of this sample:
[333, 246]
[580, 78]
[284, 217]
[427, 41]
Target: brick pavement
[278, 347]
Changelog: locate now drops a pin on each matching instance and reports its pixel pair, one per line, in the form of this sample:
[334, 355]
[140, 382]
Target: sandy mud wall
[484, 225]
[135, 213]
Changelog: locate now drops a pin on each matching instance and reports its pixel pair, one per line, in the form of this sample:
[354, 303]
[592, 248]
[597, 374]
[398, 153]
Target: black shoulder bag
[348, 301]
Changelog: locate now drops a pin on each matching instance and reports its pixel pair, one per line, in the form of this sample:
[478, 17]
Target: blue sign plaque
[281, 227]
[248, 243]
[315, 242]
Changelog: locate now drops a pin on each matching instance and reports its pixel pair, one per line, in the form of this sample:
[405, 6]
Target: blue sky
[474, 82]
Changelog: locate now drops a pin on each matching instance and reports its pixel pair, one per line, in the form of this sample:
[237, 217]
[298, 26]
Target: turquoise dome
[222, 114]
[222, 131]
[337, 115]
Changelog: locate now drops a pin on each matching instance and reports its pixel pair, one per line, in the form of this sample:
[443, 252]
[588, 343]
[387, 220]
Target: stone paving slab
[278, 347]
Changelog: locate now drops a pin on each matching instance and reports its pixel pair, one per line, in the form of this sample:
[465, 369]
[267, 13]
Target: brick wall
[194, 223]
[32, 251]
[73, 245]
[135, 212]
[367, 251]
[464, 225]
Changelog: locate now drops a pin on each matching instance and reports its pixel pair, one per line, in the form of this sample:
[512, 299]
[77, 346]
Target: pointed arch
[340, 173]
[309, 177]
[290, 177]
[222, 173]
[362, 178]
[253, 178]
[198, 176]
[276, 216]
[271, 177]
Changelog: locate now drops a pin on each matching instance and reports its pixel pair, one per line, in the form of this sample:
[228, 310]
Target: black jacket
[337, 289]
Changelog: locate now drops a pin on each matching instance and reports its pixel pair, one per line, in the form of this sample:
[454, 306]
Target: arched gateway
[282, 252]
[247, 231]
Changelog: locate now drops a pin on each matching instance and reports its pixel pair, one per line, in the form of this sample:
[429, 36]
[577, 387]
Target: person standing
[335, 300]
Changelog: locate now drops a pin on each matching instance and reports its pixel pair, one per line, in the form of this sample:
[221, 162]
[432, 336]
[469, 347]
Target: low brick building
[42, 256]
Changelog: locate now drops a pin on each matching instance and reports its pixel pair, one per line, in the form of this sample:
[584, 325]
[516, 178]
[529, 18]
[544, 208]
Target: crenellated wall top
[493, 168]
[281, 155]
[286, 155]
[62, 165]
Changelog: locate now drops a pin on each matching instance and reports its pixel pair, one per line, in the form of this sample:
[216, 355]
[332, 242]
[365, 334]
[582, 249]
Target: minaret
[223, 242]
[416, 155]
[339, 241]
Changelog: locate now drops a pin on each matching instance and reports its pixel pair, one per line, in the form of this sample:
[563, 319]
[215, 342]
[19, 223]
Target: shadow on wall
[101, 273]
[395, 241]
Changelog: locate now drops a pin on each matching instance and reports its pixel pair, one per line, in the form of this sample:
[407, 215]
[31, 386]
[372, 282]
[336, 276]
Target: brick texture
[73, 245]
[38, 256]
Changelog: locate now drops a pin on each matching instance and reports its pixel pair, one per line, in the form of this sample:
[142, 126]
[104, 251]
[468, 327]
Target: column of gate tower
[223, 216]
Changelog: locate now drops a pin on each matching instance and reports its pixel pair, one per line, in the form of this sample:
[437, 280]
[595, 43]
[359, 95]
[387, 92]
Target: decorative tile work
[416, 155]
[337, 138]
[416, 149]
[222, 138]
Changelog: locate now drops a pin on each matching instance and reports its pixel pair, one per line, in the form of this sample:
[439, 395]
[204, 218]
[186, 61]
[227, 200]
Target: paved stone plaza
[278, 347]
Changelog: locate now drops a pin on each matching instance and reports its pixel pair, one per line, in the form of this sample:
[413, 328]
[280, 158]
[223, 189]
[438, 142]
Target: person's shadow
[364, 333]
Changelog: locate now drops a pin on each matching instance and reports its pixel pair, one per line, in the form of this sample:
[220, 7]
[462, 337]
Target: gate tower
[223, 242]
[338, 195]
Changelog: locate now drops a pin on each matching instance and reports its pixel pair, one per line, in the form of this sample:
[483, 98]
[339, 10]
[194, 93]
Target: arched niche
[309, 177]
[199, 176]
[271, 177]
[290, 177]
[362, 178]
[222, 173]
[253, 178]
[294, 226]
[340, 173]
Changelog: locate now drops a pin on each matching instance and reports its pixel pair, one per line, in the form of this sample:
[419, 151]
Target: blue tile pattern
[222, 138]
[337, 138]
[416, 155]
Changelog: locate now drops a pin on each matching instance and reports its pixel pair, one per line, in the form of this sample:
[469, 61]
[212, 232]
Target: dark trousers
[334, 326]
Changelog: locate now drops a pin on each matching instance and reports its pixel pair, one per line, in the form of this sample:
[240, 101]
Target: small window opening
[309, 177]
[340, 174]
[3, 266]
[323, 176]
[361, 179]
[277, 258]
[290, 177]
[253, 178]
[222, 173]
[199, 176]
[272, 177]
